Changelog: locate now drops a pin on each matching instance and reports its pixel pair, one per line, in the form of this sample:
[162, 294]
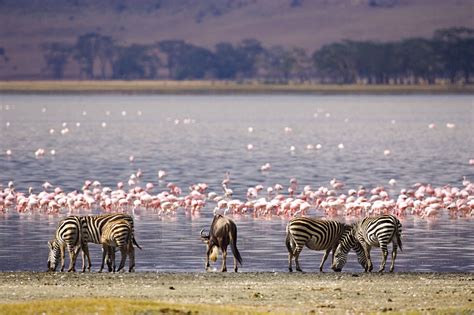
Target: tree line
[448, 55]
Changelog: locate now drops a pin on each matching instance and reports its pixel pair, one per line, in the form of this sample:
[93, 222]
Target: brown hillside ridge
[302, 23]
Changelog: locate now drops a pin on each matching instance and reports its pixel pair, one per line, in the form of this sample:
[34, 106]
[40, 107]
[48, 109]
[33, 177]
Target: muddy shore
[253, 292]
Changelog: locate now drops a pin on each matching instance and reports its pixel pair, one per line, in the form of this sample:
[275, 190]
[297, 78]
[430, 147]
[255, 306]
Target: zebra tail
[288, 241]
[135, 242]
[399, 234]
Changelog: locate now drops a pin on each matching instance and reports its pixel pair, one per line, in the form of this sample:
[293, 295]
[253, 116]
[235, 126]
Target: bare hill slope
[26, 24]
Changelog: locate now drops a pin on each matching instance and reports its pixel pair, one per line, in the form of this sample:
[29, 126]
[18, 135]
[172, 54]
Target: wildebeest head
[214, 252]
[53, 255]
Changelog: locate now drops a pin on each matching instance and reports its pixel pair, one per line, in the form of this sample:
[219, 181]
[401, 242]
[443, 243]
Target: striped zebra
[316, 234]
[376, 231]
[88, 229]
[93, 227]
[117, 234]
[68, 234]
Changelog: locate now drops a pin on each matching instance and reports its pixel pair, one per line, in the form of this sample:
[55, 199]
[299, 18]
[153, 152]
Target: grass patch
[118, 306]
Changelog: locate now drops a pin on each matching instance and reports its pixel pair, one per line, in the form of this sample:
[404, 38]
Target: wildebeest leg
[236, 268]
[325, 256]
[224, 258]
[207, 266]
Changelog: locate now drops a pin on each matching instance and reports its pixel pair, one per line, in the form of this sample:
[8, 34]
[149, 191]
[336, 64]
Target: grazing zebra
[376, 231]
[316, 235]
[117, 234]
[93, 227]
[68, 234]
[87, 229]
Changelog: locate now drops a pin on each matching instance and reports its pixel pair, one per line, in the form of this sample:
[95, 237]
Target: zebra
[316, 234]
[68, 234]
[376, 231]
[117, 234]
[93, 227]
[88, 229]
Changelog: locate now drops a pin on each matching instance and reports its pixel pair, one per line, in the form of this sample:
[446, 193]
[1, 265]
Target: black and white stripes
[74, 232]
[315, 234]
[376, 231]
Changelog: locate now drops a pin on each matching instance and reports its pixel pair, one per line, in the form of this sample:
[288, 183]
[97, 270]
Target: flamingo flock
[421, 200]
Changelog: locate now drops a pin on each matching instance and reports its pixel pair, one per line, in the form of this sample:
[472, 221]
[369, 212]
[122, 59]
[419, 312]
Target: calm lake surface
[198, 139]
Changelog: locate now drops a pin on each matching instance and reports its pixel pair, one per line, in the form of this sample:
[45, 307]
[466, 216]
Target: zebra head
[53, 256]
[347, 242]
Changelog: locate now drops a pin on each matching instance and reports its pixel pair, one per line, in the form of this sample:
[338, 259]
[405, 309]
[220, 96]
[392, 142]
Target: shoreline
[218, 87]
[246, 292]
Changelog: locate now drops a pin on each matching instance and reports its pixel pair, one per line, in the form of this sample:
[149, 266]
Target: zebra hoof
[290, 269]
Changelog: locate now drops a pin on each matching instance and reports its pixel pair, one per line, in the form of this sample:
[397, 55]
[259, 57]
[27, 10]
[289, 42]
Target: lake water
[198, 139]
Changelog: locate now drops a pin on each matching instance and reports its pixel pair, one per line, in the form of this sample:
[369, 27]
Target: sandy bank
[220, 87]
[254, 292]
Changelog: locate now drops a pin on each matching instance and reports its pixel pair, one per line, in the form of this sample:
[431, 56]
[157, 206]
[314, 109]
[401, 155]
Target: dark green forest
[447, 56]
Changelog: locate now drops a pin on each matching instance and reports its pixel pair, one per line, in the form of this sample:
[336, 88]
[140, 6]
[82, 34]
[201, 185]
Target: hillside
[26, 24]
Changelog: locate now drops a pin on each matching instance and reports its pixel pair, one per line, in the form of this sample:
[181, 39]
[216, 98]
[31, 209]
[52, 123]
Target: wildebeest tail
[233, 244]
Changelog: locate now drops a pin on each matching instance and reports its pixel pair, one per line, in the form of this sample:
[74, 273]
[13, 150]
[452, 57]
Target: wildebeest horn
[204, 234]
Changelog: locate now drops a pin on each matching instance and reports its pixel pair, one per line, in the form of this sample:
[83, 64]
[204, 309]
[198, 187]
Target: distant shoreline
[219, 87]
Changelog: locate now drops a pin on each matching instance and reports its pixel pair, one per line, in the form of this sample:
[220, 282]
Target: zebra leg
[131, 258]
[85, 254]
[290, 260]
[123, 251]
[296, 253]
[104, 253]
[383, 247]
[63, 257]
[112, 257]
[394, 255]
[325, 256]
[368, 266]
[289, 246]
[224, 258]
[72, 258]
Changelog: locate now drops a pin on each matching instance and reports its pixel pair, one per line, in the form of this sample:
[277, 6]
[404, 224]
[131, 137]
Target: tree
[135, 62]
[186, 61]
[456, 49]
[88, 48]
[418, 59]
[336, 62]
[56, 56]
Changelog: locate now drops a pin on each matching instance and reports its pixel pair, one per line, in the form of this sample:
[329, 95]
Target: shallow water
[200, 138]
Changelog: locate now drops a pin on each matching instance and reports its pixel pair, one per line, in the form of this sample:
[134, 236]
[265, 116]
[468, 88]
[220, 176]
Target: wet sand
[247, 292]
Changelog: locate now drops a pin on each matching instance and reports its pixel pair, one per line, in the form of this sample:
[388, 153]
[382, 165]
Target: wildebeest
[222, 232]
